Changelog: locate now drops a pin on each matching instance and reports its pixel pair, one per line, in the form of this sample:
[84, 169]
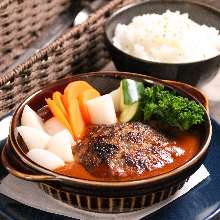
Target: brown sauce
[189, 142]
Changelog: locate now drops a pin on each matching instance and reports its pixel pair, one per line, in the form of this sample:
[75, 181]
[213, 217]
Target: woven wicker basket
[79, 50]
[22, 21]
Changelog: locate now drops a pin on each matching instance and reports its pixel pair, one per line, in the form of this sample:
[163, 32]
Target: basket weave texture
[21, 22]
[81, 49]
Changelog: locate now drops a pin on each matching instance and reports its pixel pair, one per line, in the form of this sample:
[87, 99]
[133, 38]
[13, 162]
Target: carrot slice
[56, 111]
[57, 97]
[65, 102]
[76, 120]
[73, 90]
[83, 98]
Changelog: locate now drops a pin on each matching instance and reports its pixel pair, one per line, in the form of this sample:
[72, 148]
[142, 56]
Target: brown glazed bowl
[193, 73]
[98, 196]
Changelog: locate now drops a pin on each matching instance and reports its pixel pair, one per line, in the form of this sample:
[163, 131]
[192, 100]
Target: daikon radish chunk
[33, 138]
[60, 144]
[116, 98]
[45, 158]
[52, 126]
[31, 119]
[68, 134]
[101, 110]
[83, 98]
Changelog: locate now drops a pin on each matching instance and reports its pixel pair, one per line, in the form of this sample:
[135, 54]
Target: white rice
[170, 38]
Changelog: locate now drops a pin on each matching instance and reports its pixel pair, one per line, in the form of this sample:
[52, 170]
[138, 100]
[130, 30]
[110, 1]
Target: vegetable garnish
[76, 120]
[101, 110]
[132, 91]
[57, 112]
[57, 97]
[175, 110]
[83, 98]
[73, 90]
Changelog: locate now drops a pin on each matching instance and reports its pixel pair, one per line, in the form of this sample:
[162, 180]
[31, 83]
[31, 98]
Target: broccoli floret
[173, 109]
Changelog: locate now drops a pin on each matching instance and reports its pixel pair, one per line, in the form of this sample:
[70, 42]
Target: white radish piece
[45, 158]
[31, 119]
[116, 98]
[72, 141]
[52, 126]
[33, 138]
[101, 110]
[60, 144]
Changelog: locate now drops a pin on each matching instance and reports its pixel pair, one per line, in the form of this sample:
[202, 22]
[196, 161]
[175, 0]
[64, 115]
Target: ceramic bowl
[193, 73]
[98, 196]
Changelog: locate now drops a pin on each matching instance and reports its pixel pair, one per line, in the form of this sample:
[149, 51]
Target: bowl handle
[13, 166]
[190, 90]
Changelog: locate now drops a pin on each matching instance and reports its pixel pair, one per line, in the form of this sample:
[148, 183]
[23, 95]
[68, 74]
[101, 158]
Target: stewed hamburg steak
[125, 149]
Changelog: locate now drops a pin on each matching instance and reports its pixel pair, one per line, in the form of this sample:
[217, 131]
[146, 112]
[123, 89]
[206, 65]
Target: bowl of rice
[174, 40]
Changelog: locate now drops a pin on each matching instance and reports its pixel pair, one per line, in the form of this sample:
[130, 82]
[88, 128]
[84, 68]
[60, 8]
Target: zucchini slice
[130, 112]
[131, 91]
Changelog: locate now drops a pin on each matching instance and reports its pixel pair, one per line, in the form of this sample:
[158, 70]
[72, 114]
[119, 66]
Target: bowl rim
[132, 5]
[60, 177]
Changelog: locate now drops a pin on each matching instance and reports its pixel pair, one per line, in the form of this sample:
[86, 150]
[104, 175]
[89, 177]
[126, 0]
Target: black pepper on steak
[124, 149]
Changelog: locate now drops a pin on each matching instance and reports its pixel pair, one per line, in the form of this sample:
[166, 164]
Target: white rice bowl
[168, 38]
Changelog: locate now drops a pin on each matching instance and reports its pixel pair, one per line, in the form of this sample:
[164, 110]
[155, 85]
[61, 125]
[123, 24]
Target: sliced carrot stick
[56, 111]
[76, 120]
[65, 102]
[73, 90]
[83, 98]
[57, 97]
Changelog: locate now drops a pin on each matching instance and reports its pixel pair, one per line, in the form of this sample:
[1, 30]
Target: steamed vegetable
[58, 113]
[168, 107]
[60, 144]
[45, 158]
[131, 91]
[31, 119]
[73, 90]
[130, 112]
[33, 137]
[76, 119]
[53, 126]
[57, 97]
[83, 98]
[116, 98]
[101, 110]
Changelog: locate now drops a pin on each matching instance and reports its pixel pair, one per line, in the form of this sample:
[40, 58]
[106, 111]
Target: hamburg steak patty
[125, 149]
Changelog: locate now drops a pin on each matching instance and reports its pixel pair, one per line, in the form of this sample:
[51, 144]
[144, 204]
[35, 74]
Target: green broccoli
[166, 106]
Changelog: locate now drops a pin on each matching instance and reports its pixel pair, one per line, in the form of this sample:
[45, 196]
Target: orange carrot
[64, 102]
[73, 90]
[57, 97]
[56, 111]
[76, 120]
[83, 98]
